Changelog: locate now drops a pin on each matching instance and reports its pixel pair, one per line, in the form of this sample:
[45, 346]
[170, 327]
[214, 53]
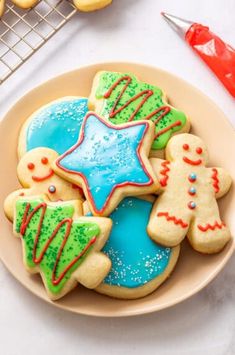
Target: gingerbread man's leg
[169, 222]
[207, 233]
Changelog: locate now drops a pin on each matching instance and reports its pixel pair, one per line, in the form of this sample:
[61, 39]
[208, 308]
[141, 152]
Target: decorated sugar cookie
[139, 265]
[91, 5]
[55, 125]
[63, 247]
[121, 98]
[109, 162]
[187, 204]
[37, 177]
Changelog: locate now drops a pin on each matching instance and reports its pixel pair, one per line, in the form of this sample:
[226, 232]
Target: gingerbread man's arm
[161, 169]
[9, 203]
[220, 180]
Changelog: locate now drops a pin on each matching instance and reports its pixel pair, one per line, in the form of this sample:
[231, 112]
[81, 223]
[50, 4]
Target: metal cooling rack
[23, 32]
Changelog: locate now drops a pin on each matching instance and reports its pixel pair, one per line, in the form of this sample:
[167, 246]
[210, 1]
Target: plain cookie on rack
[24, 4]
[91, 5]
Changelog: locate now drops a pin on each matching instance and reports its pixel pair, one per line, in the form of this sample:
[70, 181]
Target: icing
[212, 227]
[136, 259]
[176, 221]
[127, 99]
[53, 240]
[192, 162]
[215, 180]
[185, 146]
[199, 150]
[57, 126]
[44, 160]
[43, 178]
[165, 164]
[107, 157]
[30, 166]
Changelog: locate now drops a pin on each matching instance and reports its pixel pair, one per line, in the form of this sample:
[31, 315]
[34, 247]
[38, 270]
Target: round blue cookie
[139, 265]
[54, 126]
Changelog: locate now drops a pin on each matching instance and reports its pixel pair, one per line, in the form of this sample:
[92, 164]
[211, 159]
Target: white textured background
[130, 30]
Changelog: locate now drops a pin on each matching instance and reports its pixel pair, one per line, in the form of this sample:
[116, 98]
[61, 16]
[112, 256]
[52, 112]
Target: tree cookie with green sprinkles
[121, 98]
[61, 245]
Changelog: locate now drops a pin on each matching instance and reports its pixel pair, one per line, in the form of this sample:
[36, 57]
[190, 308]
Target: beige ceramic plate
[193, 271]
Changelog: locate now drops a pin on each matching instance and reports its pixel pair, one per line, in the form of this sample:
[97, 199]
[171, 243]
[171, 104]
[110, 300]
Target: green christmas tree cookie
[62, 247]
[121, 97]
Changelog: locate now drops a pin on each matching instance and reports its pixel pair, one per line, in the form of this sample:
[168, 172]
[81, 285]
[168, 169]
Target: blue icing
[107, 156]
[57, 126]
[136, 259]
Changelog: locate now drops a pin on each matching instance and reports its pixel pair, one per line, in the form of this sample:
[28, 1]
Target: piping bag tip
[178, 24]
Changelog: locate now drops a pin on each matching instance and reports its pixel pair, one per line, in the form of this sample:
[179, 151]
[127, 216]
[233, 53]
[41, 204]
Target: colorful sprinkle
[192, 205]
[192, 177]
[192, 191]
[52, 189]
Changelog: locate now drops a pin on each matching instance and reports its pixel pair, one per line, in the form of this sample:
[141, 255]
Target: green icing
[107, 79]
[80, 235]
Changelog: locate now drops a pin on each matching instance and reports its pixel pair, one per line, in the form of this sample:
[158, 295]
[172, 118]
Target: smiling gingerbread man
[37, 177]
[187, 202]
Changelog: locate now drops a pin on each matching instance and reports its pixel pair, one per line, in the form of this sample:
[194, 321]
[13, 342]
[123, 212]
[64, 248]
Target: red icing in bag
[218, 55]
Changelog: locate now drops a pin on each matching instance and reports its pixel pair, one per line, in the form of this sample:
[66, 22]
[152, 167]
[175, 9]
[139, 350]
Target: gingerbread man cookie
[187, 203]
[109, 162]
[37, 177]
[60, 244]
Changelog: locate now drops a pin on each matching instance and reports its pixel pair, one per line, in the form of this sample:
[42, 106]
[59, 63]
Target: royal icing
[107, 157]
[57, 125]
[136, 259]
[52, 240]
[171, 218]
[215, 180]
[127, 99]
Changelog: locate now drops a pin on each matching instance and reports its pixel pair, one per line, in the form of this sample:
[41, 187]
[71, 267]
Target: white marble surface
[129, 30]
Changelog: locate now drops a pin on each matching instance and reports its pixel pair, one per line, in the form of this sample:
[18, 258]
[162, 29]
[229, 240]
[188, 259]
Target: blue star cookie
[109, 162]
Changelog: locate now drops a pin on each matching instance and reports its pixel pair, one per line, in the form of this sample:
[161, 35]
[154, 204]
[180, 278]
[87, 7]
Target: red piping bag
[218, 55]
